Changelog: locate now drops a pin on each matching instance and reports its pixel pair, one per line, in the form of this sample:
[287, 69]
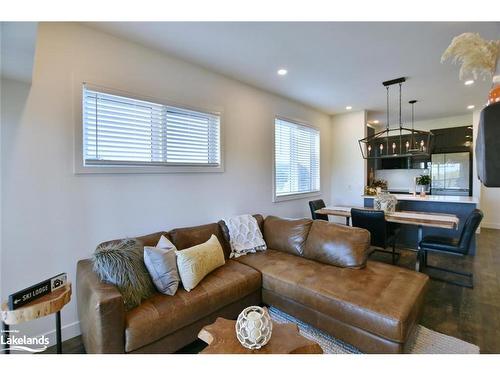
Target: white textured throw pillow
[244, 235]
[161, 264]
[198, 261]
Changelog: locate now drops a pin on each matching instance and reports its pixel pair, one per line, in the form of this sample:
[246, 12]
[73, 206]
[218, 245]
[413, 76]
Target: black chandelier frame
[399, 141]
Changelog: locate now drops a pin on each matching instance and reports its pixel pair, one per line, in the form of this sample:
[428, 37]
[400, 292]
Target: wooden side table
[51, 303]
[285, 339]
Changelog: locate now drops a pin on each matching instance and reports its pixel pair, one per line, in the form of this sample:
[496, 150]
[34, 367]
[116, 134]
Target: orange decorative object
[494, 95]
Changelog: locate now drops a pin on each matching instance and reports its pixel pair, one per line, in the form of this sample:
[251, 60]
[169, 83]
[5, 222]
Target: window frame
[79, 157]
[293, 196]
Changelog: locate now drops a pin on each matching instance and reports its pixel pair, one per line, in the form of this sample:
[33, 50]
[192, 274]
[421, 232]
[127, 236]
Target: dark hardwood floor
[472, 315]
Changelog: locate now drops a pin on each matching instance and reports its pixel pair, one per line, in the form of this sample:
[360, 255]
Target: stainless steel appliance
[450, 173]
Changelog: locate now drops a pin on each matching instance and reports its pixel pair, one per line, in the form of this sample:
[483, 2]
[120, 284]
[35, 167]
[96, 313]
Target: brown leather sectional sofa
[370, 305]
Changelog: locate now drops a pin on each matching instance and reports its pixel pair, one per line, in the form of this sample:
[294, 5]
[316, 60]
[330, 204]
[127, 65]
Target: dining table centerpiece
[385, 202]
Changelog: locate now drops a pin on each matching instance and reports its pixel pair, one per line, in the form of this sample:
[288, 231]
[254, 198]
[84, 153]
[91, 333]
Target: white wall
[348, 166]
[52, 217]
[476, 184]
[490, 204]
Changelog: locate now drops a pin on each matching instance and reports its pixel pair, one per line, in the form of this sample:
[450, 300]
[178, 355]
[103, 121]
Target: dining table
[419, 219]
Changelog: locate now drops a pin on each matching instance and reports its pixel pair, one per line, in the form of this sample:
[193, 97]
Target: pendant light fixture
[399, 141]
[418, 147]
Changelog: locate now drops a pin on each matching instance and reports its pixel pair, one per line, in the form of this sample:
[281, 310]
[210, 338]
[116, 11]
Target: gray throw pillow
[121, 263]
[162, 267]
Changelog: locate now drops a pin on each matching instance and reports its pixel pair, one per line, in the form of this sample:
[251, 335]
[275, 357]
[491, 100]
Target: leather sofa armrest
[101, 312]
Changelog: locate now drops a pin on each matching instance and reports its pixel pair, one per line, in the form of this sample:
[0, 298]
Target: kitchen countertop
[433, 198]
[404, 191]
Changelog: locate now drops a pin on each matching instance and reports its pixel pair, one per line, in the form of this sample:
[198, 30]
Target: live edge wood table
[51, 303]
[420, 219]
[285, 339]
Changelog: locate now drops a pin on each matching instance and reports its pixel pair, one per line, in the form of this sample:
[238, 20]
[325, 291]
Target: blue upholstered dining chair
[455, 246]
[316, 205]
[383, 234]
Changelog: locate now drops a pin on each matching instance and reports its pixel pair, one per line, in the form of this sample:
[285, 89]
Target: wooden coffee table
[221, 339]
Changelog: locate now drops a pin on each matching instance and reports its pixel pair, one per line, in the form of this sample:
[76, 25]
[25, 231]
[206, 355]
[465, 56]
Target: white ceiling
[330, 64]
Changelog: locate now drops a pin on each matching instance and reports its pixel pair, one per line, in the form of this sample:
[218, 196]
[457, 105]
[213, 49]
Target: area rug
[422, 341]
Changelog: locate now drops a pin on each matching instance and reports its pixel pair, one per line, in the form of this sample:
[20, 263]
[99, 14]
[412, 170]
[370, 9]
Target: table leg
[419, 250]
[347, 220]
[5, 336]
[58, 332]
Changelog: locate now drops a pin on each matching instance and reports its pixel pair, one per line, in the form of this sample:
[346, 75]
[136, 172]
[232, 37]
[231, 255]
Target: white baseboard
[490, 225]
[68, 331]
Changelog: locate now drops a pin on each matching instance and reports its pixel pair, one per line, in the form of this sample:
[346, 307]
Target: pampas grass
[476, 55]
[121, 263]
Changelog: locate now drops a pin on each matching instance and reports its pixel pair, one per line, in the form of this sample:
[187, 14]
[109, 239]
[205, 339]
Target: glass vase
[422, 191]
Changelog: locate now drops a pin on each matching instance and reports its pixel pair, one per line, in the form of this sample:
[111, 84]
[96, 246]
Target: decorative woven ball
[385, 202]
[254, 327]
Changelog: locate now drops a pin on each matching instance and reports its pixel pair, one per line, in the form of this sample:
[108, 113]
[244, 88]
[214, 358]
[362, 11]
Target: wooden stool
[46, 305]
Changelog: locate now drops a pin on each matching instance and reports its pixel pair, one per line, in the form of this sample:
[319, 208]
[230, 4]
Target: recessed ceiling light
[376, 121]
[470, 107]
[348, 107]
[282, 72]
[469, 82]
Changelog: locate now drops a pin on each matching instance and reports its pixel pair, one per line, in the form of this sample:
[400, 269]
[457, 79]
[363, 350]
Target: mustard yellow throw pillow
[196, 262]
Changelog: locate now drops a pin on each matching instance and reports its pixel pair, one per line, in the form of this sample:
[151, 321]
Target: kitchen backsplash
[399, 179]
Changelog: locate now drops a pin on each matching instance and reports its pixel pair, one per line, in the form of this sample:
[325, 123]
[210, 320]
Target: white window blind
[125, 131]
[296, 158]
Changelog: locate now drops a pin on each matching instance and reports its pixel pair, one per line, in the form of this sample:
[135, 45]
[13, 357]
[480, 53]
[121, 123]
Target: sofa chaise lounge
[371, 305]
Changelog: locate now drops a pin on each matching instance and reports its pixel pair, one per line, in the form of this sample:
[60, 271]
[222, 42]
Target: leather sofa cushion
[380, 298]
[184, 238]
[153, 238]
[338, 245]
[161, 315]
[288, 235]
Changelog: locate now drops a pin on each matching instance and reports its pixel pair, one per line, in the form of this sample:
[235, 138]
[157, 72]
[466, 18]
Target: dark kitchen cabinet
[457, 139]
[395, 163]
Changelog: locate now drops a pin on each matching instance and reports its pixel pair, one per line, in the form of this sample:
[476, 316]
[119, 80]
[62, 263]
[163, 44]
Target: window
[123, 131]
[296, 159]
